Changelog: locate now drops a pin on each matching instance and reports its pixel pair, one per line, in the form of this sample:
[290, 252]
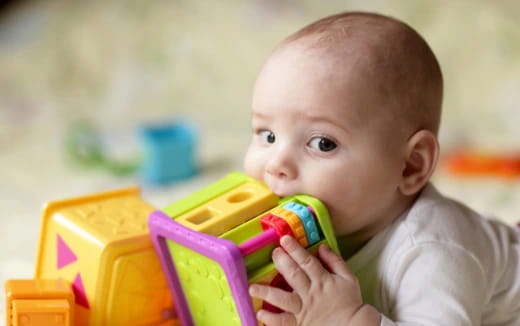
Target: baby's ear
[422, 152]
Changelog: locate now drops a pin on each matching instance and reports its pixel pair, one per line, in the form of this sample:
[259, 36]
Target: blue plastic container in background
[168, 152]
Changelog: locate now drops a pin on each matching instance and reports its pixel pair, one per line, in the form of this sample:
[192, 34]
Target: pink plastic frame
[224, 252]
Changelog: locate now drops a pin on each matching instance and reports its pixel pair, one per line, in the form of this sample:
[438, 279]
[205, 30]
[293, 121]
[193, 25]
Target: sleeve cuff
[386, 322]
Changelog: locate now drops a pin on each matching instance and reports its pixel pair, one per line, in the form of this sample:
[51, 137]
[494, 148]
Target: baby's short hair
[406, 71]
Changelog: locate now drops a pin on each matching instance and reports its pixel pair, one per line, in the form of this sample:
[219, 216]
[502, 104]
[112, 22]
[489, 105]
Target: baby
[347, 110]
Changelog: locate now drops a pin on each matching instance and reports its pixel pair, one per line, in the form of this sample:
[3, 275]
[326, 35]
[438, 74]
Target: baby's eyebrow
[309, 117]
[260, 115]
[314, 118]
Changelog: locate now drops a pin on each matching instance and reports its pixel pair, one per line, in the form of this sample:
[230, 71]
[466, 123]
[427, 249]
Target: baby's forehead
[364, 58]
[352, 66]
[386, 61]
[361, 77]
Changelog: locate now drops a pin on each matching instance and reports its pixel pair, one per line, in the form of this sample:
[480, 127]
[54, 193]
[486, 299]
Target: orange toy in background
[39, 302]
[482, 164]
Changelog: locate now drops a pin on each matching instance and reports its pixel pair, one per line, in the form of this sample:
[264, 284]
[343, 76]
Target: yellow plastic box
[100, 243]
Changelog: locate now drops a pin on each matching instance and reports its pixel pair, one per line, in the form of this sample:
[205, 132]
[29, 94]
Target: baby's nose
[282, 166]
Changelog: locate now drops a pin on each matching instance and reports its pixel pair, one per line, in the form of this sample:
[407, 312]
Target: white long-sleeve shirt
[442, 264]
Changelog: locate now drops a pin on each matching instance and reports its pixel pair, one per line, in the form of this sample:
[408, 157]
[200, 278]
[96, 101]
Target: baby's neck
[350, 244]
[349, 247]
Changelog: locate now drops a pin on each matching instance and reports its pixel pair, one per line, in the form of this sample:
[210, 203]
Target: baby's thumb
[334, 262]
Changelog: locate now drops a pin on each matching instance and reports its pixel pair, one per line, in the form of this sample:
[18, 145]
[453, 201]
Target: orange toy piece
[471, 163]
[100, 243]
[39, 302]
[295, 223]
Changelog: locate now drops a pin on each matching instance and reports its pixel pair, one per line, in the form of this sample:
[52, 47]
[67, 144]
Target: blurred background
[80, 76]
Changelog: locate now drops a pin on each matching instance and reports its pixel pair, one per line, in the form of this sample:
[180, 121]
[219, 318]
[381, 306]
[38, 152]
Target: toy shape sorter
[215, 242]
[39, 302]
[100, 243]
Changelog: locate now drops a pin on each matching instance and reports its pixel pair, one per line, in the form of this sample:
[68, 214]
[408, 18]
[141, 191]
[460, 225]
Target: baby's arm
[319, 296]
[434, 284]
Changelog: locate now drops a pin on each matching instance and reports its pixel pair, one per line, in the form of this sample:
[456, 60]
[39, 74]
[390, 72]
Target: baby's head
[347, 110]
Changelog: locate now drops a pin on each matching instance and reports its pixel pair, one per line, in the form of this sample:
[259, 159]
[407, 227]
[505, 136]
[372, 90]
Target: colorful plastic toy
[86, 147]
[101, 245]
[168, 152]
[217, 241]
[39, 302]
[473, 163]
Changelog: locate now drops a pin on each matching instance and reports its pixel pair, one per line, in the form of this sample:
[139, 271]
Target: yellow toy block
[229, 210]
[39, 302]
[101, 245]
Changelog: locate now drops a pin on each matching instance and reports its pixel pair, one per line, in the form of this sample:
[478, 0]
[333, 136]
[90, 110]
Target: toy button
[307, 218]
[296, 224]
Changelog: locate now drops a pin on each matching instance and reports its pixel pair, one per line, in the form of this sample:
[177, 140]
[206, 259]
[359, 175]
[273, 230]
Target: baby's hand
[319, 297]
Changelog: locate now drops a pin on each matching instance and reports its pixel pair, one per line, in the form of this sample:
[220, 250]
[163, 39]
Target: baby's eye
[267, 136]
[323, 144]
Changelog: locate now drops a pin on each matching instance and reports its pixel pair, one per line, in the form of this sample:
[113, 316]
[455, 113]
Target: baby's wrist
[367, 315]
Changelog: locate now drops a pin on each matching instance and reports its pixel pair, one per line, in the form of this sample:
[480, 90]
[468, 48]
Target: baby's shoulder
[436, 218]
[446, 225]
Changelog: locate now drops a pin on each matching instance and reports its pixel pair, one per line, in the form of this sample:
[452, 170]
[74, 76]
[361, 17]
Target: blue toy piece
[168, 152]
[311, 230]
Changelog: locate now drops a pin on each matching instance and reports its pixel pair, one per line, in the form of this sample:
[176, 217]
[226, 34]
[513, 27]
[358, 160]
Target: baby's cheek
[253, 165]
[338, 208]
[251, 172]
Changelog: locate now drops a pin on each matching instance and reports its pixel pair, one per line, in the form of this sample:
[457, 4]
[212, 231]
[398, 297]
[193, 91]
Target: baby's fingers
[334, 262]
[307, 262]
[275, 319]
[291, 271]
[287, 301]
